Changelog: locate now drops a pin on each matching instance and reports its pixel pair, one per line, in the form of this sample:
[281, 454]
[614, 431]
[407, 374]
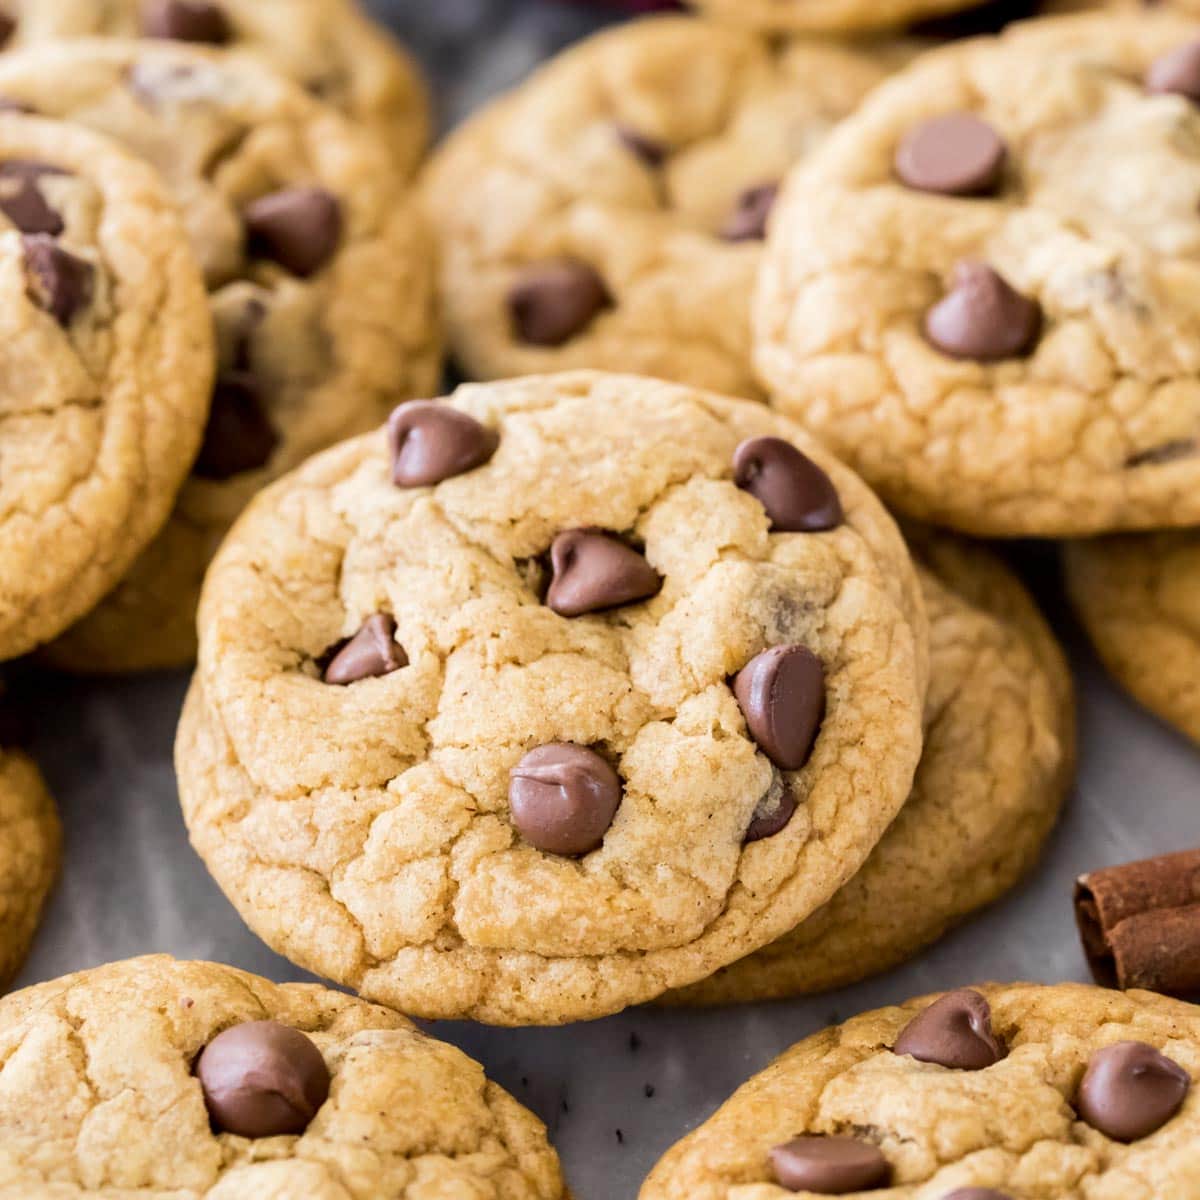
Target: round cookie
[107, 368]
[320, 278]
[328, 46]
[997, 762]
[999, 1093]
[609, 213]
[153, 1076]
[826, 16]
[974, 294]
[1139, 599]
[566, 728]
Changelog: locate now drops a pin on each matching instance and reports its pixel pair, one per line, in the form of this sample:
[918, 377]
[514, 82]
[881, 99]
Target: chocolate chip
[768, 821]
[781, 693]
[371, 652]
[563, 798]
[299, 228]
[798, 496]
[8, 26]
[186, 21]
[651, 153]
[974, 1193]
[748, 221]
[1177, 72]
[262, 1079]
[829, 1166]
[1129, 1090]
[953, 155]
[57, 281]
[432, 441]
[552, 302]
[955, 1031]
[9, 104]
[594, 571]
[983, 318]
[21, 199]
[239, 436]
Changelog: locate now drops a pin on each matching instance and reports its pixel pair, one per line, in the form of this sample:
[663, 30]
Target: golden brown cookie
[999, 1093]
[191, 1079]
[530, 711]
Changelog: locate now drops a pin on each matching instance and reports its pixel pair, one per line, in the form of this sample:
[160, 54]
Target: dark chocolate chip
[829, 1166]
[976, 1193]
[798, 496]
[299, 228]
[1129, 1090]
[767, 822]
[186, 21]
[748, 221]
[21, 199]
[371, 652]
[262, 1079]
[652, 153]
[57, 281]
[955, 1031]
[563, 798]
[594, 571]
[552, 302]
[781, 693]
[432, 441]
[954, 155]
[983, 318]
[1177, 72]
[239, 436]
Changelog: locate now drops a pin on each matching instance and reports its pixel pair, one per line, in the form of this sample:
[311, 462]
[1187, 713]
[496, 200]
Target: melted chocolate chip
[1129, 1090]
[299, 228]
[186, 21]
[955, 1031]
[552, 302]
[748, 221]
[829, 1166]
[594, 571]
[21, 198]
[954, 155]
[432, 441]
[798, 496]
[262, 1079]
[563, 798]
[57, 281]
[781, 693]
[1177, 72]
[239, 436]
[983, 318]
[373, 651]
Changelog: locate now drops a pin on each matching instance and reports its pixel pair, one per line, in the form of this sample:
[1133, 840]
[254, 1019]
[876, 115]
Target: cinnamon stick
[1140, 924]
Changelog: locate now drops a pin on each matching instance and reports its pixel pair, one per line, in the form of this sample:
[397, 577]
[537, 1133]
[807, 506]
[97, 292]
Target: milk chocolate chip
[954, 1031]
[21, 198]
[552, 302]
[185, 21]
[829, 1166]
[748, 221]
[299, 228]
[432, 441]
[781, 693]
[371, 652]
[595, 571]
[797, 494]
[1129, 1090]
[239, 436]
[58, 282]
[953, 155]
[983, 318]
[563, 798]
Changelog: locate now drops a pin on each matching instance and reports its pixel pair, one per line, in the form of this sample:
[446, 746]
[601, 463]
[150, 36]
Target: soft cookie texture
[975, 296]
[320, 278]
[110, 1086]
[578, 605]
[327, 46]
[609, 213]
[1139, 599]
[998, 758]
[1022, 1089]
[826, 16]
[107, 350]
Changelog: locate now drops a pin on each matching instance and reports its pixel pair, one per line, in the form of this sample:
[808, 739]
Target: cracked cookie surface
[328, 46]
[1010, 1126]
[1004, 340]
[644, 159]
[107, 357]
[99, 1097]
[320, 281]
[826, 16]
[997, 761]
[365, 830]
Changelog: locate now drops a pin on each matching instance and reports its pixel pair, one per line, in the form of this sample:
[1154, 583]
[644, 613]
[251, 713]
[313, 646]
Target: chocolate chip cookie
[154, 1076]
[975, 295]
[998, 758]
[826, 16]
[328, 46]
[107, 362]
[320, 279]
[1139, 599]
[998, 1093]
[610, 212]
[565, 691]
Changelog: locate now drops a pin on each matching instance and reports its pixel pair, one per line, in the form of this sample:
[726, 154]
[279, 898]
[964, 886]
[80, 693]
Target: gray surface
[132, 885]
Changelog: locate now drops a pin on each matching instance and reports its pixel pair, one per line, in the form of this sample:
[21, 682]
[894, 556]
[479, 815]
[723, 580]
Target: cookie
[154, 1076]
[997, 1093]
[998, 759]
[609, 213]
[528, 711]
[328, 46]
[1139, 600]
[320, 279]
[972, 294]
[108, 363]
[826, 16]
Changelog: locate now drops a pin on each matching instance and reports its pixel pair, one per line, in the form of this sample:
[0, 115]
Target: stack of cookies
[661, 662]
